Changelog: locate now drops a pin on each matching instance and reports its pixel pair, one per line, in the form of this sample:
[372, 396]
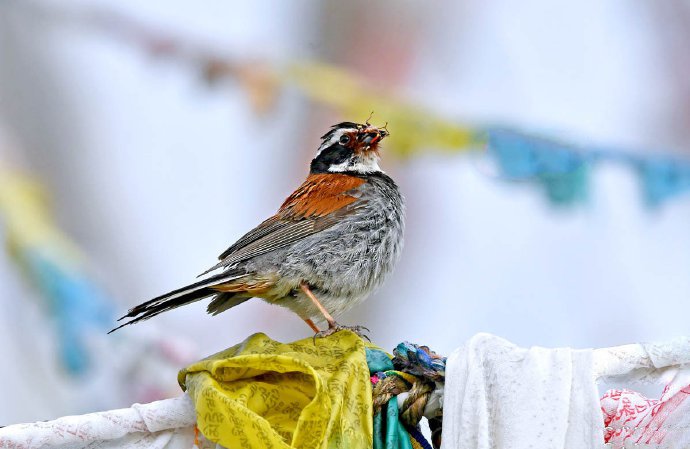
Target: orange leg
[311, 324]
[322, 309]
[333, 327]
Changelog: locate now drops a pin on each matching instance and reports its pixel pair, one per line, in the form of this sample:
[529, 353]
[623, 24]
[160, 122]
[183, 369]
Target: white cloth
[499, 395]
[644, 362]
[165, 424]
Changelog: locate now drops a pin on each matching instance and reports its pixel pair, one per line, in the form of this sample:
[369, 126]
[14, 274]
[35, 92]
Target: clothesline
[620, 360]
[162, 424]
[552, 386]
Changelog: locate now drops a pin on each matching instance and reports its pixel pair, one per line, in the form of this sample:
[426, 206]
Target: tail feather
[225, 301]
[176, 298]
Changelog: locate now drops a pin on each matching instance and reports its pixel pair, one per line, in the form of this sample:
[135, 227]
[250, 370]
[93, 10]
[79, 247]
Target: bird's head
[349, 147]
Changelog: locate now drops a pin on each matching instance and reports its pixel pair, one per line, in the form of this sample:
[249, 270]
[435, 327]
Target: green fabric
[394, 436]
[378, 361]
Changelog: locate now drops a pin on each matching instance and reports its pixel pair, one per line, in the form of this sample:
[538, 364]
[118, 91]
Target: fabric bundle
[312, 393]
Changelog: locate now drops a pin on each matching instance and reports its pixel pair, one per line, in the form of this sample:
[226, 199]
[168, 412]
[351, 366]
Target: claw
[335, 327]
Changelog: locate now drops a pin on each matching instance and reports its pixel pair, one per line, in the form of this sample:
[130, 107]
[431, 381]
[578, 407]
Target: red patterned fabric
[631, 418]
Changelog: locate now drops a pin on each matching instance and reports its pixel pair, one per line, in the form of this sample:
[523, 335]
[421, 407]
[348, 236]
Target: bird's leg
[322, 309]
[333, 327]
[311, 324]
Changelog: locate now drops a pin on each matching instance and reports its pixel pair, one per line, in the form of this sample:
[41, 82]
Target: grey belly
[342, 265]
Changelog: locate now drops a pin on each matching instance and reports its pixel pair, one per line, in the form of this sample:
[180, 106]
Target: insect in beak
[373, 135]
[371, 138]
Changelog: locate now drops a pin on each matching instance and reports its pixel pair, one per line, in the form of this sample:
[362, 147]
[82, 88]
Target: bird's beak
[374, 136]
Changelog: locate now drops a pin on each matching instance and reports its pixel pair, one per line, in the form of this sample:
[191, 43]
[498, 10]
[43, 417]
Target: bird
[330, 244]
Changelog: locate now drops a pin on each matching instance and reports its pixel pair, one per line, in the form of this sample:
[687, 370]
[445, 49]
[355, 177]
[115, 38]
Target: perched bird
[330, 244]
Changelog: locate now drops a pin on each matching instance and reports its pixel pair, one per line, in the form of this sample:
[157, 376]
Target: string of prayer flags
[53, 263]
[562, 170]
[662, 179]
[558, 169]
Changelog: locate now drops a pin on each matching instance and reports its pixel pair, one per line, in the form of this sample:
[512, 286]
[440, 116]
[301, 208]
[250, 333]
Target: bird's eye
[345, 139]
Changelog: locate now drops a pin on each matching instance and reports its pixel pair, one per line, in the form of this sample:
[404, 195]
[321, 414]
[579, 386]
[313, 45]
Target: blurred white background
[153, 173]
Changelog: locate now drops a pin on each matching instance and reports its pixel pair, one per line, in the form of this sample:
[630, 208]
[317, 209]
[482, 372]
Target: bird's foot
[335, 327]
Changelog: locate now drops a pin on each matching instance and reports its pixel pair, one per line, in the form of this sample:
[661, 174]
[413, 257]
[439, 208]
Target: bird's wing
[316, 205]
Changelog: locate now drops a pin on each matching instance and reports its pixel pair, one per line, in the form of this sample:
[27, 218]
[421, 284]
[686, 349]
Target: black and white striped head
[349, 147]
